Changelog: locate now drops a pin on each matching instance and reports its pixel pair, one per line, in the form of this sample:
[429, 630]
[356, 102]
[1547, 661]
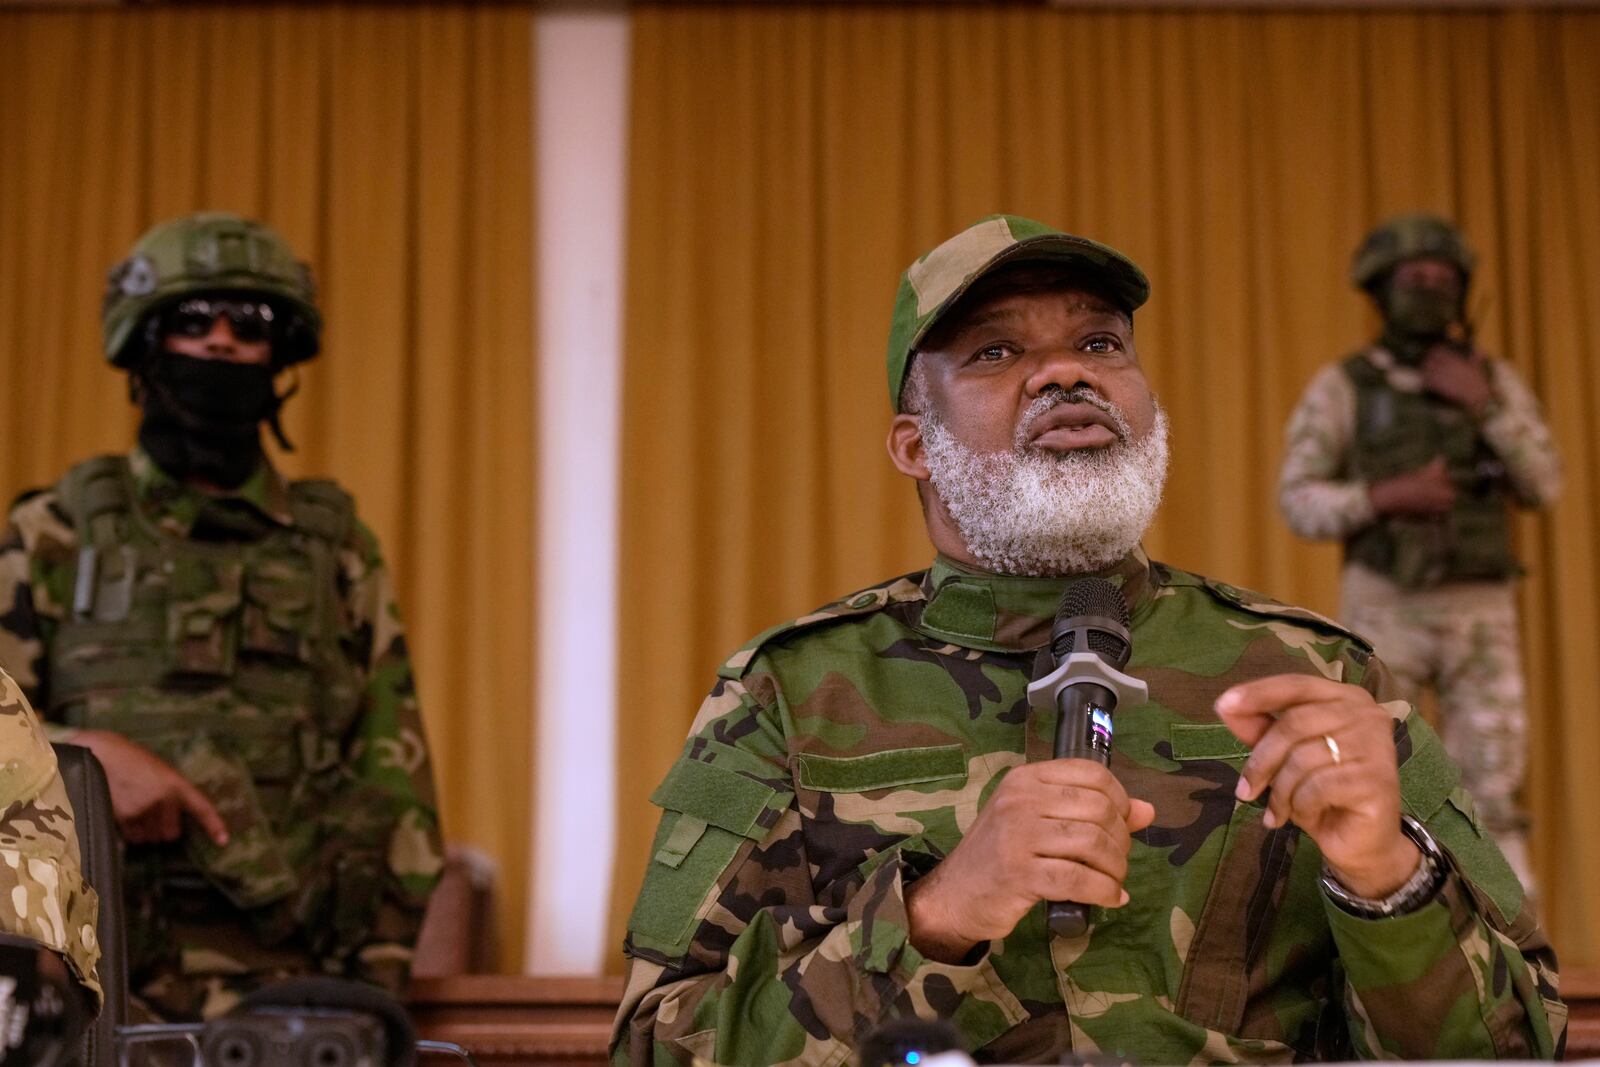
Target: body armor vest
[1399, 431]
[233, 661]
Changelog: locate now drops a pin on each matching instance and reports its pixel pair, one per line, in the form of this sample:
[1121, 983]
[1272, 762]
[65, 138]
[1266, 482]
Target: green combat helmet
[1408, 237]
[207, 253]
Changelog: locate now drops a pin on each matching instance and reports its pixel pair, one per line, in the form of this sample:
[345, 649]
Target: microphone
[1089, 646]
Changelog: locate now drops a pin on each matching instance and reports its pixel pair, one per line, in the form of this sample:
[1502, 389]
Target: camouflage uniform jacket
[1322, 500]
[383, 751]
[841, 756]
[40, 879]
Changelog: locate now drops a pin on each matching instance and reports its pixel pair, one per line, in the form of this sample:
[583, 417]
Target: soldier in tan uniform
[42, 892]
[1412, 452]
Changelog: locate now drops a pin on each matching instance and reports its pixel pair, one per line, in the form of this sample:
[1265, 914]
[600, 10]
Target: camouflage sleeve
[739, 954]
[390, 753]
[1315, 494]
[1469, 975]
[1516, 431]
[40, 878]
[36, 538]
[21, 643]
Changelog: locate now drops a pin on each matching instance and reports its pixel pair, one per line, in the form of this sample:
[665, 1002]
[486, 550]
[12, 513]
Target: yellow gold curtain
[787, 163]
[392, 147]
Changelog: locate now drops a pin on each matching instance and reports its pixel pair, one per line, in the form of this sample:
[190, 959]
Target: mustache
[1053, 398]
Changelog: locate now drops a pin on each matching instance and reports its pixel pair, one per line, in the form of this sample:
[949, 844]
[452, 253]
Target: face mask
[1421, 312]
[202, 416]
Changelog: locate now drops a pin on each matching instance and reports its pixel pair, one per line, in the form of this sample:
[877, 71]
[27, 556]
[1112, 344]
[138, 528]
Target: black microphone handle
[1068, 918]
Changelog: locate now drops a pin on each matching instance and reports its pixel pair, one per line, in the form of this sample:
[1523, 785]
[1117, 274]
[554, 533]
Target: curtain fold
[788, 162]
[393, 149]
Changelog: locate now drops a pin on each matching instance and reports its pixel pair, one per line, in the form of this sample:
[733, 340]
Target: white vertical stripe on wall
[580, 145]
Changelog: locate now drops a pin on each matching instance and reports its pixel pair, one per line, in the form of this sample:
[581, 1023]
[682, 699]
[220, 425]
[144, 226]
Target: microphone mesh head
[1093, 599]
[1094, 596]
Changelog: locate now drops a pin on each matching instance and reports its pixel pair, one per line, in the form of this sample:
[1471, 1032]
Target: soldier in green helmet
[227, 642]
[1413, 452]
[867, 819]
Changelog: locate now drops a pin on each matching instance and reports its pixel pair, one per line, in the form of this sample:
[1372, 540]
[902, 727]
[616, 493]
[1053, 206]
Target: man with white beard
[868, 821]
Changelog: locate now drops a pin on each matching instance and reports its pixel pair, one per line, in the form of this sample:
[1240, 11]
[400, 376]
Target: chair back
[100, 846]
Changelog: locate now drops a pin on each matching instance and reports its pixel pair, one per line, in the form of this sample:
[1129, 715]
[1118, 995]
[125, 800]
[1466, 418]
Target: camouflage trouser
[1462, 640]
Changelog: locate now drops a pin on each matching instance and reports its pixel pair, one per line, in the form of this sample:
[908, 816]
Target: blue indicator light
[913, 1057]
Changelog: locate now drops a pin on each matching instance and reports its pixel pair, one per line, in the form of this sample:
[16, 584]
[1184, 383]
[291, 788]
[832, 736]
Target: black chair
[101, 853]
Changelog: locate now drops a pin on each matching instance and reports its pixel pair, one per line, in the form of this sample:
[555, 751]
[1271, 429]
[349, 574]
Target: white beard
[1032, 511]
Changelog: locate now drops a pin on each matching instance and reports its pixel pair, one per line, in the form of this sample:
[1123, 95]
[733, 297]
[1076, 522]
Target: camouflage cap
[1409, 237]
[931, 286]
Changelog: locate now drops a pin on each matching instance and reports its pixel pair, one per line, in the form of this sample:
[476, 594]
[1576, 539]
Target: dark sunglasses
[251, 320]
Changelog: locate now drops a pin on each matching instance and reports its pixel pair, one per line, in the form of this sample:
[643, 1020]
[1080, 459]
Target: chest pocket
[203, 599]
[922, 798]
[281, 607]
[716, 801]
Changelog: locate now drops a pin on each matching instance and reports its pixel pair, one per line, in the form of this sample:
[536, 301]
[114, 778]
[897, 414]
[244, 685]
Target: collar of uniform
[1008, 613]
[176, 506]
[1401, 376]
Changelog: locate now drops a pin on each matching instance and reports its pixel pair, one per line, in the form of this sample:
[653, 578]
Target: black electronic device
[907, 1042]
[42, 1014]
[301, 1022]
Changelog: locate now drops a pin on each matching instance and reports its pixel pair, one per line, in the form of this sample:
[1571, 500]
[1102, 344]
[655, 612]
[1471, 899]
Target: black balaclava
[202, 417]
[1417, 317]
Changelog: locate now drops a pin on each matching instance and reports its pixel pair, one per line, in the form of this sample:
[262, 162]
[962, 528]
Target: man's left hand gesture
[1460, 378]
[1326, 750]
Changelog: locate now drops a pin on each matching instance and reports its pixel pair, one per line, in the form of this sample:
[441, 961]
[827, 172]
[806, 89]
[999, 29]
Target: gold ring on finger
[1333, 749]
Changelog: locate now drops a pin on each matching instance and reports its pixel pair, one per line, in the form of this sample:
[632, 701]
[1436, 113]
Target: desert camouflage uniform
[1459, 636]
[41, 883]
[192, 950]
[841, 756]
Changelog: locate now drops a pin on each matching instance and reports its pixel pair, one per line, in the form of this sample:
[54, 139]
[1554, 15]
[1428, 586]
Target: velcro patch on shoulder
[712, 814]
[719, 796]
[864, 602]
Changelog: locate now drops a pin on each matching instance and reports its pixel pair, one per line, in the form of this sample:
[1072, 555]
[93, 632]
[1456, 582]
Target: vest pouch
[1480, 539]
[1394, 450]
[89, 658]
[1418, 550]
[203, 602]
[251, 870]
[344, 862]
[357, 894]
[280, 608]
[337, 701]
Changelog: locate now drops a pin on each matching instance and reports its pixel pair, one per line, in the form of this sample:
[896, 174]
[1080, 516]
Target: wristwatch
[1419, 890]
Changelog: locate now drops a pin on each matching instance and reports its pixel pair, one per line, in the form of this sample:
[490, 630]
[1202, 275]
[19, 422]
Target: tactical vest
[233, 661]
[1399, 431]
